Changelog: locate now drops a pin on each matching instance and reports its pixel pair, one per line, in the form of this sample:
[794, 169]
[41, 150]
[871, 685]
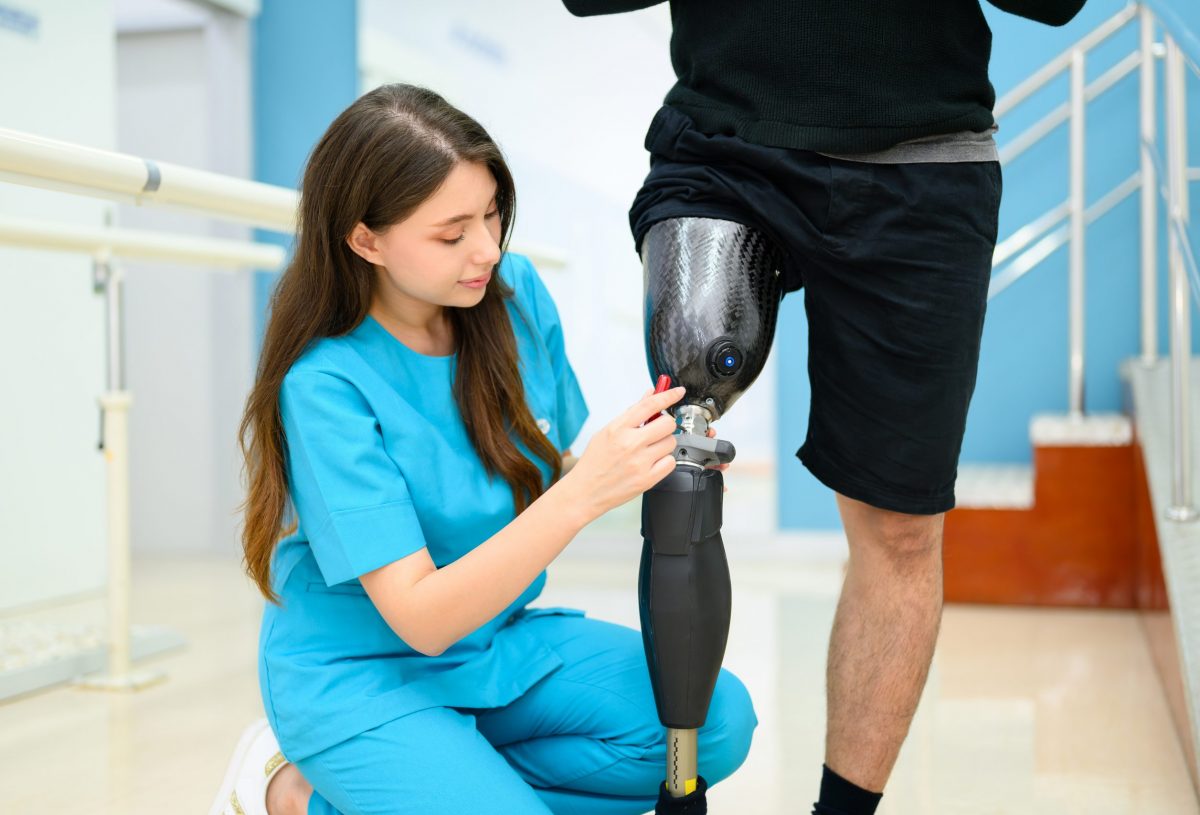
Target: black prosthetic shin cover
[684, 593]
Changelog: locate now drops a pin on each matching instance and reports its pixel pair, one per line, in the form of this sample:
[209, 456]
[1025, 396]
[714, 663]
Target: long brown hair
[377, 162]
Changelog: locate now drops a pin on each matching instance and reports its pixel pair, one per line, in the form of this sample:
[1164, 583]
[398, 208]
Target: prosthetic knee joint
[712, 291]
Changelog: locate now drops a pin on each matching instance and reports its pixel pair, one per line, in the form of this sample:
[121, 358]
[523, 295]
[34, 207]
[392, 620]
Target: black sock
[694, 803]
[841, 797]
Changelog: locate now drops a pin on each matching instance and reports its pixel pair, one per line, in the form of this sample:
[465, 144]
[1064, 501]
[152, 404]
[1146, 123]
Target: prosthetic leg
[712, 297]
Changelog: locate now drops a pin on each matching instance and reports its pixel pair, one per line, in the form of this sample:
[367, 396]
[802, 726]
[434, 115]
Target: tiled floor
[1026, 711]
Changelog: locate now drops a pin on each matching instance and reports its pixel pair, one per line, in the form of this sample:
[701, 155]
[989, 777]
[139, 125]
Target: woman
[413, 405]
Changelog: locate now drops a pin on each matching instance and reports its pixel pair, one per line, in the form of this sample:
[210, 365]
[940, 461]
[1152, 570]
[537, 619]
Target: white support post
[1078, 226]
[114, 404]
[1182, 509]
[1149, 191]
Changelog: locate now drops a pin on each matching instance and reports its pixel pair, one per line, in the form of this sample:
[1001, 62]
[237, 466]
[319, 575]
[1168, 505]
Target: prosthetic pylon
[712, 298]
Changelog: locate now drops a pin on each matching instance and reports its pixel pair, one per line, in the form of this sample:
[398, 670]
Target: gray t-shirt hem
[944, 148]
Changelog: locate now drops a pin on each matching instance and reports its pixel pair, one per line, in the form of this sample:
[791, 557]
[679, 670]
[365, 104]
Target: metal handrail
[1175, 26]
[1189, 257]
[1030, 257]
[1175, 77]
[1037, 240]
[1148, 134]
[1074, 112]
[1036, 132]
[1164, 194]
[1062, 62]
[1075, 277]
[1029, 233]
[1026, 235]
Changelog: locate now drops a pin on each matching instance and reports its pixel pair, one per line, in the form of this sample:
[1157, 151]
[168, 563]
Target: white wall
[183, 79]
[569, 101]
[58, 82]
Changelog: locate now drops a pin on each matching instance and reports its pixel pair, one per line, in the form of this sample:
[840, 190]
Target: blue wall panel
[305, 74]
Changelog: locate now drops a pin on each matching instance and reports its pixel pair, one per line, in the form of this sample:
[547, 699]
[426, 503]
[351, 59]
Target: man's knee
[894, 534]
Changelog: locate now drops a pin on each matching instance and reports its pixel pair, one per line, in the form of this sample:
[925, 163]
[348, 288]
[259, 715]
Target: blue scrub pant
[585, 740]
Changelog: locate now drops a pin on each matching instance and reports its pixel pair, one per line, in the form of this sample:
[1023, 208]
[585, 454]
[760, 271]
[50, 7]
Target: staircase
[1072, 530]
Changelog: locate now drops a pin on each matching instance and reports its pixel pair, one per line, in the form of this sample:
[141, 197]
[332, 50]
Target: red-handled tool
[663, 383]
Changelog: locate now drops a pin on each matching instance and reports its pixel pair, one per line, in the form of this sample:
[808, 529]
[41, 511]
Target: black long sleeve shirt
[839, 76]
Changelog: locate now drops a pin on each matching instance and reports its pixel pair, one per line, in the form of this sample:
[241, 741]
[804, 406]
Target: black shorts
[894, 260]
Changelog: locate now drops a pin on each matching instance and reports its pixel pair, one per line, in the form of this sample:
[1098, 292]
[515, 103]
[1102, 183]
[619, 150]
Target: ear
[364, 243]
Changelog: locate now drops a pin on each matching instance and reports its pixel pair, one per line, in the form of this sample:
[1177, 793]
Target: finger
[623, 418]
[712, 434]
[662, 447]
[662, 468]
[658, 402]
[650, 404]
[662, 425]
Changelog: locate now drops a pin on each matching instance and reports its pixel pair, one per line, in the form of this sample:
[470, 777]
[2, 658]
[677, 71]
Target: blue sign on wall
[20, 21]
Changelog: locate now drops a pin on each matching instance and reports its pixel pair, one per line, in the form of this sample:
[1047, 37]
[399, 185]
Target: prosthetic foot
[712, 297]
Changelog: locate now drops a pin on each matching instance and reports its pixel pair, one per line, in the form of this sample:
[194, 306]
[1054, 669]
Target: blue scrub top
[379, 466]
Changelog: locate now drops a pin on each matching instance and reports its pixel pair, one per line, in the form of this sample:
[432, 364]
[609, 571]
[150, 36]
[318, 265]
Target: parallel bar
[1149, 179]
[1078, 236]
[140, 244]
[1181, 509]
[33, 159]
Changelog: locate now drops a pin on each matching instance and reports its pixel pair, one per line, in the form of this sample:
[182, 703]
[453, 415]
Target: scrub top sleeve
[572, 409]
[352, 500]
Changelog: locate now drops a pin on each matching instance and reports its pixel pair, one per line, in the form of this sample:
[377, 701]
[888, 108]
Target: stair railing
[1066, 223]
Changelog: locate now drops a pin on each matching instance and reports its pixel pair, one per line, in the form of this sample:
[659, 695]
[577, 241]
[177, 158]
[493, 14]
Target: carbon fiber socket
[709, 282]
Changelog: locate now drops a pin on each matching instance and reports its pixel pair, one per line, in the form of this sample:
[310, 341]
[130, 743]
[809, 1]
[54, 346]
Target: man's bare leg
[883, 638]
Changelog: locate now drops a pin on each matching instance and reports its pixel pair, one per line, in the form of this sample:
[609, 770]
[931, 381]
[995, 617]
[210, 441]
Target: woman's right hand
[626, 458]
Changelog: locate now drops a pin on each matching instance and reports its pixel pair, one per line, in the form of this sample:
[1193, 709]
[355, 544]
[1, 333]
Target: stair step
[1010, 486]
[1093, 430]
[994, 486]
